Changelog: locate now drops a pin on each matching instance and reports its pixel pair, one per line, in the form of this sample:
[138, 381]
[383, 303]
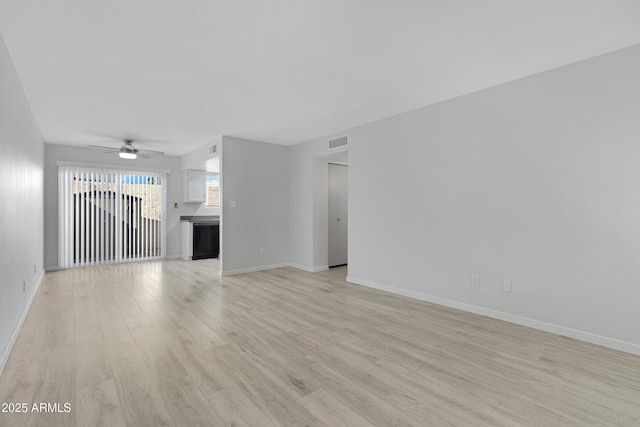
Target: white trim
[133, 167]
[309, 269]
[589, 337]
[174, 256]
[254, 269]
[16, 332]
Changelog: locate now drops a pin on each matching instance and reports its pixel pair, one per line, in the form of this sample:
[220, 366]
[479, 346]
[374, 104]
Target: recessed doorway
[338, 214]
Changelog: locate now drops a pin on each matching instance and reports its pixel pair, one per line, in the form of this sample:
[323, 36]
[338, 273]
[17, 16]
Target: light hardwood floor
[171, 343]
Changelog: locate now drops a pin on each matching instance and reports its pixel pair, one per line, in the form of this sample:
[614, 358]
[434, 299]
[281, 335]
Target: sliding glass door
[109, 216]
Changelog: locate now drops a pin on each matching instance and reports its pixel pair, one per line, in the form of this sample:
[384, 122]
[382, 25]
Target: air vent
[212, 149]
[338, 142]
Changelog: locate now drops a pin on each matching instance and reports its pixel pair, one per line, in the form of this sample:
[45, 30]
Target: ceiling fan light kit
[125, 155]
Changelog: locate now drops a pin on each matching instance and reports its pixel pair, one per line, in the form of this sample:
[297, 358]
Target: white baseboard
[253, 269]
[176, 256]
[309, 269]
[613, 343]
[16, 332]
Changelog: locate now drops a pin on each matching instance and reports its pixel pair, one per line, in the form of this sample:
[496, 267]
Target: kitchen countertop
[214, 219]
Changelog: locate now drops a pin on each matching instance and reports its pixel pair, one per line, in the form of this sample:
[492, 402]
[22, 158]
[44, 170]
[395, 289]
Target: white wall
[256, 176]
[55, 153]
[21, 213]
[534, 181]
[301, 204]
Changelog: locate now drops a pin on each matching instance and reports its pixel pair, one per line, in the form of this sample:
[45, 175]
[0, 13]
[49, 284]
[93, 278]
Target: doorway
[338, 214]
[110, 216]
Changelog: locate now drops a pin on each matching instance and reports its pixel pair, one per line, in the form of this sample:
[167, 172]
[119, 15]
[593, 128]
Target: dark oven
[206, 240]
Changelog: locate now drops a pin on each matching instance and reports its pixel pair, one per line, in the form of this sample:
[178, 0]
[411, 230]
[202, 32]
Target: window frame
[206, 198]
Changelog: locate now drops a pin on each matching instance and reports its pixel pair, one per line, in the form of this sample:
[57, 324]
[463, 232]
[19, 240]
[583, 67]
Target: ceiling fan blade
[143, 155]
[151, 152]
[102, 147]
[111, 152]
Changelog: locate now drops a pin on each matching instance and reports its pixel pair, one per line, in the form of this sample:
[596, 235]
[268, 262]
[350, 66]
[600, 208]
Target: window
[213, 191]
[109, 216]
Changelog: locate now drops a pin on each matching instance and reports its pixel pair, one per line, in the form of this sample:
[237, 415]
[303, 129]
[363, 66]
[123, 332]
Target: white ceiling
[181, 73]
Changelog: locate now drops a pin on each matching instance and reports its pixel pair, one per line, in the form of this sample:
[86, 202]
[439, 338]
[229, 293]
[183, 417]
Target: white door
[338, 215]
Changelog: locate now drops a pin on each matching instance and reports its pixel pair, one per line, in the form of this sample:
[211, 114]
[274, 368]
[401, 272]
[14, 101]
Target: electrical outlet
[24, 286]
[261, 251]
[34, 269]
[506, 286]
[475, 281]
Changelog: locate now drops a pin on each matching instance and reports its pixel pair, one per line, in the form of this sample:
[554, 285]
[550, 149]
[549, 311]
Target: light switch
[475, 281]
[506, 286]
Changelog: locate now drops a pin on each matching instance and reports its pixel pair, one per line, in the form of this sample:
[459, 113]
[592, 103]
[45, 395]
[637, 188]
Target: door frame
[336, 163]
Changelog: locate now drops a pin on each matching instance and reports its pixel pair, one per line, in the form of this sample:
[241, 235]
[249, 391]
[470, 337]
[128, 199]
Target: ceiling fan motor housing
[128, 146]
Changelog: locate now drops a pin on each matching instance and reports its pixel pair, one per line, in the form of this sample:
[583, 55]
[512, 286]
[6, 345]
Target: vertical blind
[109, 216]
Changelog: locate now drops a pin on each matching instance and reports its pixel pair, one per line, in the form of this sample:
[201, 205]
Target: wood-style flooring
[172, 344]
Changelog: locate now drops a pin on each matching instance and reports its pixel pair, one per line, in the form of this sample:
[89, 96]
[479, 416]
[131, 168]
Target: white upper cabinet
[194, 186]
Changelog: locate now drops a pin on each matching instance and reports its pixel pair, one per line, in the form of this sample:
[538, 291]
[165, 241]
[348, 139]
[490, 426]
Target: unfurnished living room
[320, 213]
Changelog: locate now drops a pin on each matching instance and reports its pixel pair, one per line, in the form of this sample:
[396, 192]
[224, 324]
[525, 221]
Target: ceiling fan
[128, 151]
